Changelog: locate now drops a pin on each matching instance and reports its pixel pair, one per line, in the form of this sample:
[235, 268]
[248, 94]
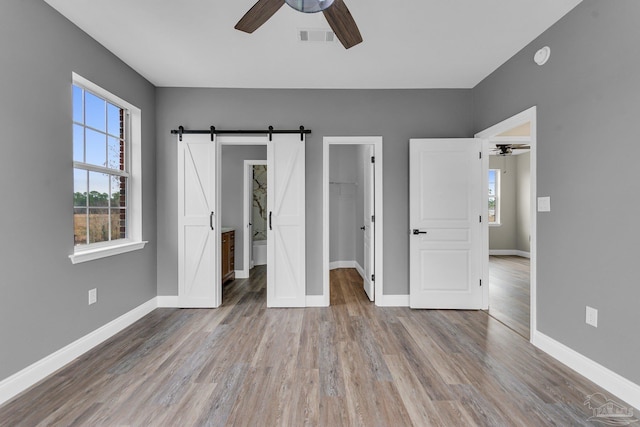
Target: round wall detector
[542, 56]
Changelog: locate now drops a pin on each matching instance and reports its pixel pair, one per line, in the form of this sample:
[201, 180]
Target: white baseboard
[358, 267]
[617, 385]
[20, 381]
[168, 301]
[513, 252]
[317, 301]
[342, 264]
[393, 301]
[241, 274]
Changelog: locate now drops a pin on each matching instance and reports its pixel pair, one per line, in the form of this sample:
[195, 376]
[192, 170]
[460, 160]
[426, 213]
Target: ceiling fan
[507, 149]
[335, 11]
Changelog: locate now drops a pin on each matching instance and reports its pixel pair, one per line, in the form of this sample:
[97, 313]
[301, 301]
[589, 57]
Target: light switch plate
[93, 296]
[544, 204]
[592, 317]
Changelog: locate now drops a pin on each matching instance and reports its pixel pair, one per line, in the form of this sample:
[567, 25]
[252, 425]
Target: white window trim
[497, 222]
[134, 207]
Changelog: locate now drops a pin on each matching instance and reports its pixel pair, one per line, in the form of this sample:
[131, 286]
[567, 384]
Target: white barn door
[286, 271]
[197, 239]
[445, 182]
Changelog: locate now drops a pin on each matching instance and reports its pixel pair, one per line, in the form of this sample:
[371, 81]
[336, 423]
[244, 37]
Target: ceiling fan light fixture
[309, 6]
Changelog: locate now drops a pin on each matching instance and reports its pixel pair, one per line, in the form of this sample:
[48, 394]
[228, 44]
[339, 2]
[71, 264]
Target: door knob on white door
[416, 231]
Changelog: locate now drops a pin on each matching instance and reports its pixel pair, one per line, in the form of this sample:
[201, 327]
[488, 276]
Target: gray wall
[43, 297]
[515, 214]
[343, 170]
[588, 99]
[232, 190]
[504, 236]
[396, 115]
[362, 152]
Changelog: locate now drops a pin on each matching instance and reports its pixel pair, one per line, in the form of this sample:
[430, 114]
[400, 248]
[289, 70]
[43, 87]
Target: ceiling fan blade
[258, 15]
[520, 146]
[343, 24]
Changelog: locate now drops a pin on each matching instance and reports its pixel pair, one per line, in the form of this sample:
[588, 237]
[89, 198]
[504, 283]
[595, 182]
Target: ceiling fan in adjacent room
[508, 149]
[335, 11]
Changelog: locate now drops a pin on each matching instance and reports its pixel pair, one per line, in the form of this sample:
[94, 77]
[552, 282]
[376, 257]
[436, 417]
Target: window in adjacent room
[494, 196]
[106, 173]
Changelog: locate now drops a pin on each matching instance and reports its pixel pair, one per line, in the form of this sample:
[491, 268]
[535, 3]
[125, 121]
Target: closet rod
[213, 131]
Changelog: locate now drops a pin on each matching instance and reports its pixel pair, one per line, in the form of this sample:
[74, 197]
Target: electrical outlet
[93, 296]
[592, 317]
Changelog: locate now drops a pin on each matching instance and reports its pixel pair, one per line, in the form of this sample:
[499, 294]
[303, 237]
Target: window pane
[98, 189]
[115, 121]
[78, 110]
[118, 224]
[118, 191]
[96, 148]
[95, 111]
[98, 225]
[116, 154]
[79, 188]
[78, 143]
[79, 226]
[492, 182]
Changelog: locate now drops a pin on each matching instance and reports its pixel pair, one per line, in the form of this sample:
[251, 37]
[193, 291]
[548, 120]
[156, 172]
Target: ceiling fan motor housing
[309, 6]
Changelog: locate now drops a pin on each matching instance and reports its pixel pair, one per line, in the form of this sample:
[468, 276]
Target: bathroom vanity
[228, 258]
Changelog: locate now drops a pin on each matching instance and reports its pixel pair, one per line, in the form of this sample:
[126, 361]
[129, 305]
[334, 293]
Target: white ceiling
[407, 43]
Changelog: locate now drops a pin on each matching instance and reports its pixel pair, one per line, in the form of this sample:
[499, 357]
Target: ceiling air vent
[316, 35]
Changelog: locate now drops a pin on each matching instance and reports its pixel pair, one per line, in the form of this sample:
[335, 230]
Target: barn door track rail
[213, 131]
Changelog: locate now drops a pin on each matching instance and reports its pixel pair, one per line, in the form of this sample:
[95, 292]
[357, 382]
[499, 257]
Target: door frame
[489, 135]
[376, 142]
[247, 211]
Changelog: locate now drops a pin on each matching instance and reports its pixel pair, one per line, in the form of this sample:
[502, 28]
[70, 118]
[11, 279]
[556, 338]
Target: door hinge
[480, 218]
[373, 218]
[480, 154]
[373, 277]
[373, 159]
[480, 282]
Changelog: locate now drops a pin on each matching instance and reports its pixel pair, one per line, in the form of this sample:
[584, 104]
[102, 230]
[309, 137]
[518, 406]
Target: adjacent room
[509, 220]
[329, 212]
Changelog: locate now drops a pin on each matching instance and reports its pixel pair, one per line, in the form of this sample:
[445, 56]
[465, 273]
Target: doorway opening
[236, 231]
[352, 212]
[509, 234]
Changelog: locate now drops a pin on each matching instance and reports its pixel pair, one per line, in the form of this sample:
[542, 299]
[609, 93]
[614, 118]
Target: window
[106, 166]
[494, 196]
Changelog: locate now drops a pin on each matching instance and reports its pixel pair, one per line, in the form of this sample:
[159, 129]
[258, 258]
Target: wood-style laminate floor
[509, 290]
[347, 365]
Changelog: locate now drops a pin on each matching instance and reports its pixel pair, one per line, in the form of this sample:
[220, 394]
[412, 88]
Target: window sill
[103, 252]
[495, 224]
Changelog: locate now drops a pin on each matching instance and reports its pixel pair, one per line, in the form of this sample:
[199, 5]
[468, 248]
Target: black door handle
[211, 220]
[362, 228]
[270, 228]
[416, 231]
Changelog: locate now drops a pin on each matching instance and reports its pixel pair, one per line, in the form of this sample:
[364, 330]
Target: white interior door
[197, 243]
[286, 272]
[444, 214]
[369, 229]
